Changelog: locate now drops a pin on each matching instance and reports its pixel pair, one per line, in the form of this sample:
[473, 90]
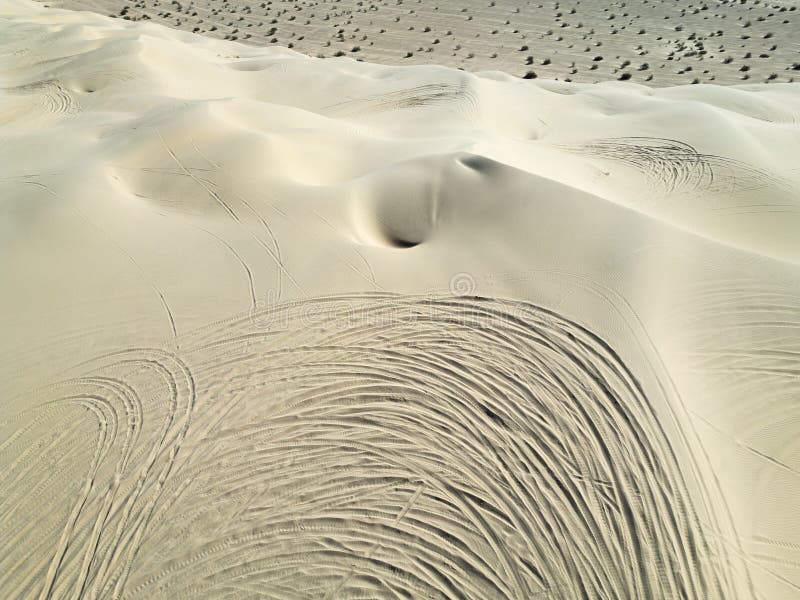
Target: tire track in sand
[393, 446]
[390, 445]
[146, 394]
[674, 166]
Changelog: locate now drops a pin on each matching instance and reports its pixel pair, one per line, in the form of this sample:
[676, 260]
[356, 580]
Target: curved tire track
[673, 166]
[408, 446]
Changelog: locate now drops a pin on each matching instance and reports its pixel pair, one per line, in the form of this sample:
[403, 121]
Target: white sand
[282, 327]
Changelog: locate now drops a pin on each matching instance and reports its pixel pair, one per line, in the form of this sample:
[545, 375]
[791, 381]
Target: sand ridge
[276, 326]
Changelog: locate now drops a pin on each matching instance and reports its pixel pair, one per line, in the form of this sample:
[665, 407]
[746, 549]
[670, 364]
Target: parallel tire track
[461, 97]
[393, 446]
[674, 166]
[55, 98]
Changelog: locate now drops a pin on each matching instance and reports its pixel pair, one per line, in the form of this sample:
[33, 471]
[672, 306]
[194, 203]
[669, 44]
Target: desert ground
[277, 326]
[658, 42]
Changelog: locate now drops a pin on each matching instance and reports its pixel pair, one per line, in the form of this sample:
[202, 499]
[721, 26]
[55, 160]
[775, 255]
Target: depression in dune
[277, 323]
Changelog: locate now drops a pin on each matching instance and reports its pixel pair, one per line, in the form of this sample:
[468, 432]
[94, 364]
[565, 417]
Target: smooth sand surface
[282, 327]
[658, 42]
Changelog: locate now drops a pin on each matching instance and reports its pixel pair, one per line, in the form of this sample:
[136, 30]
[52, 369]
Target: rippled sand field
[281, 327]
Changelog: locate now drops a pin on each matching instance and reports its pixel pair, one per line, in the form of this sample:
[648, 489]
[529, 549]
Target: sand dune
[282, 327]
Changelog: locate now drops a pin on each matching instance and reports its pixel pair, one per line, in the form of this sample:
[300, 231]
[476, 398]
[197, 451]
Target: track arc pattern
[378, 446]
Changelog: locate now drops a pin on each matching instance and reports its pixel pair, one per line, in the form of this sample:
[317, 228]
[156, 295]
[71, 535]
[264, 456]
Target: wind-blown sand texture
[658, 42]
[282, 327]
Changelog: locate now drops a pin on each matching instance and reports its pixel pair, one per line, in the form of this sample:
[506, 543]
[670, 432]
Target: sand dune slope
[281, 327]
